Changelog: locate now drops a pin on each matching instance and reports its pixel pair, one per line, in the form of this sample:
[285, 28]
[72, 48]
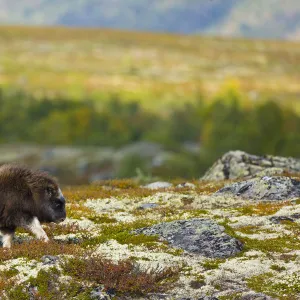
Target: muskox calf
[27, 199]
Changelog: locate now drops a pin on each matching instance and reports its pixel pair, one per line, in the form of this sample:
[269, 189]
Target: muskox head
[55, 208]
[50, 202]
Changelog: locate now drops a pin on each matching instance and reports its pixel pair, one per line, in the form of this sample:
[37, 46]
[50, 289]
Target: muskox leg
[7, 238]
[36, 228]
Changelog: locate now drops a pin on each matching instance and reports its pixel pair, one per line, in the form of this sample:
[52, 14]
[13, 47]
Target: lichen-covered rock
[199, 236]
[158, 185]
[264, 188]
[239, 164]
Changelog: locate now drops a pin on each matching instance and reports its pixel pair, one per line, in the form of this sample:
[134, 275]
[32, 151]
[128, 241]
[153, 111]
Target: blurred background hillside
[247, 18]
[155, 89]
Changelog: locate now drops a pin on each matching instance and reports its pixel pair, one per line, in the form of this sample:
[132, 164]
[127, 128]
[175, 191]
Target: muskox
[27, 199]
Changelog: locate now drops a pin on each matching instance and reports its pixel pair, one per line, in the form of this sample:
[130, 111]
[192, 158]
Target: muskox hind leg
[35, 227]
[8, 234]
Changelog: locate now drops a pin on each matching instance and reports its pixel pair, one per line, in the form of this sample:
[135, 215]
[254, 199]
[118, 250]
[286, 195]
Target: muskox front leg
[35, 227]
[8, 234]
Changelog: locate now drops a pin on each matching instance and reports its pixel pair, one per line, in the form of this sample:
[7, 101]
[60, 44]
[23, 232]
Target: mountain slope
[267, 18]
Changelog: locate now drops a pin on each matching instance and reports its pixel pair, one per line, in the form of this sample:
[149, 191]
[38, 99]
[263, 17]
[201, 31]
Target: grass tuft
[125, 277]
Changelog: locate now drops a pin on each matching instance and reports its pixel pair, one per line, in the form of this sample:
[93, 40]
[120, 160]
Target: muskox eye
[58, 204]
[49, 191]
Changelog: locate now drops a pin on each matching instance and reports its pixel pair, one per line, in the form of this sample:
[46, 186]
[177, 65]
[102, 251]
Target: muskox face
[54, 205]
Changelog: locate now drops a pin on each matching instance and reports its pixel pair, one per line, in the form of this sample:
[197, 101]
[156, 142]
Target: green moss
[233, 296]
[246, 210]
[277, 268]
[251, 229]
[287, 287]
[280, 244]
[49, 287]
[262, 208]
[102, 219]
[9, 273]
[18, 293]
[211, 264]
[127, 238]
[45, 281]
[174, 251]
[122, 232]
[198, 281]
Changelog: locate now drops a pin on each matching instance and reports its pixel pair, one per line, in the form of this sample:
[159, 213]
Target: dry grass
[75, 194]
[124, 277]
[53, 229]
[6, 279]
[37, 249]
[263, 209]
[129, 189]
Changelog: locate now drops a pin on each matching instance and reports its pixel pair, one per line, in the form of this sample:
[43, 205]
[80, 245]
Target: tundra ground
[94, 252]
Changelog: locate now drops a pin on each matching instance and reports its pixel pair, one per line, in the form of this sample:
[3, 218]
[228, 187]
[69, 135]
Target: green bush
[223, 124]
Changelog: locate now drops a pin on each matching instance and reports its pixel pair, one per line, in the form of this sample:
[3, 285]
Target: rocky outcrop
[199, 236]
[264, 188]
[239, 164]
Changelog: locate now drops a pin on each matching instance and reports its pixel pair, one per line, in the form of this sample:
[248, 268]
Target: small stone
[157, 296]
[194, 284]
[68, 239]
[99, 294]
[147, 206]
[33, 292]
[49, 259]
[186, 185]
[158, 185]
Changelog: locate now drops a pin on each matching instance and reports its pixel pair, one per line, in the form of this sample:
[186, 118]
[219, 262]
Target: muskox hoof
[46, 240]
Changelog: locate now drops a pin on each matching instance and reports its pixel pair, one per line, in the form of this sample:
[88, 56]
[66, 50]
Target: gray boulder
[264, 188]
[239, 164]
[199, 236]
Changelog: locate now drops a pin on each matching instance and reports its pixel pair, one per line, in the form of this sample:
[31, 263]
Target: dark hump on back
[12, 178]
[20, 178]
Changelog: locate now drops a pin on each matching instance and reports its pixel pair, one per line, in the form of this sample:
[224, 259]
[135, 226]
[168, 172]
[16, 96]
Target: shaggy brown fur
[28, 197]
